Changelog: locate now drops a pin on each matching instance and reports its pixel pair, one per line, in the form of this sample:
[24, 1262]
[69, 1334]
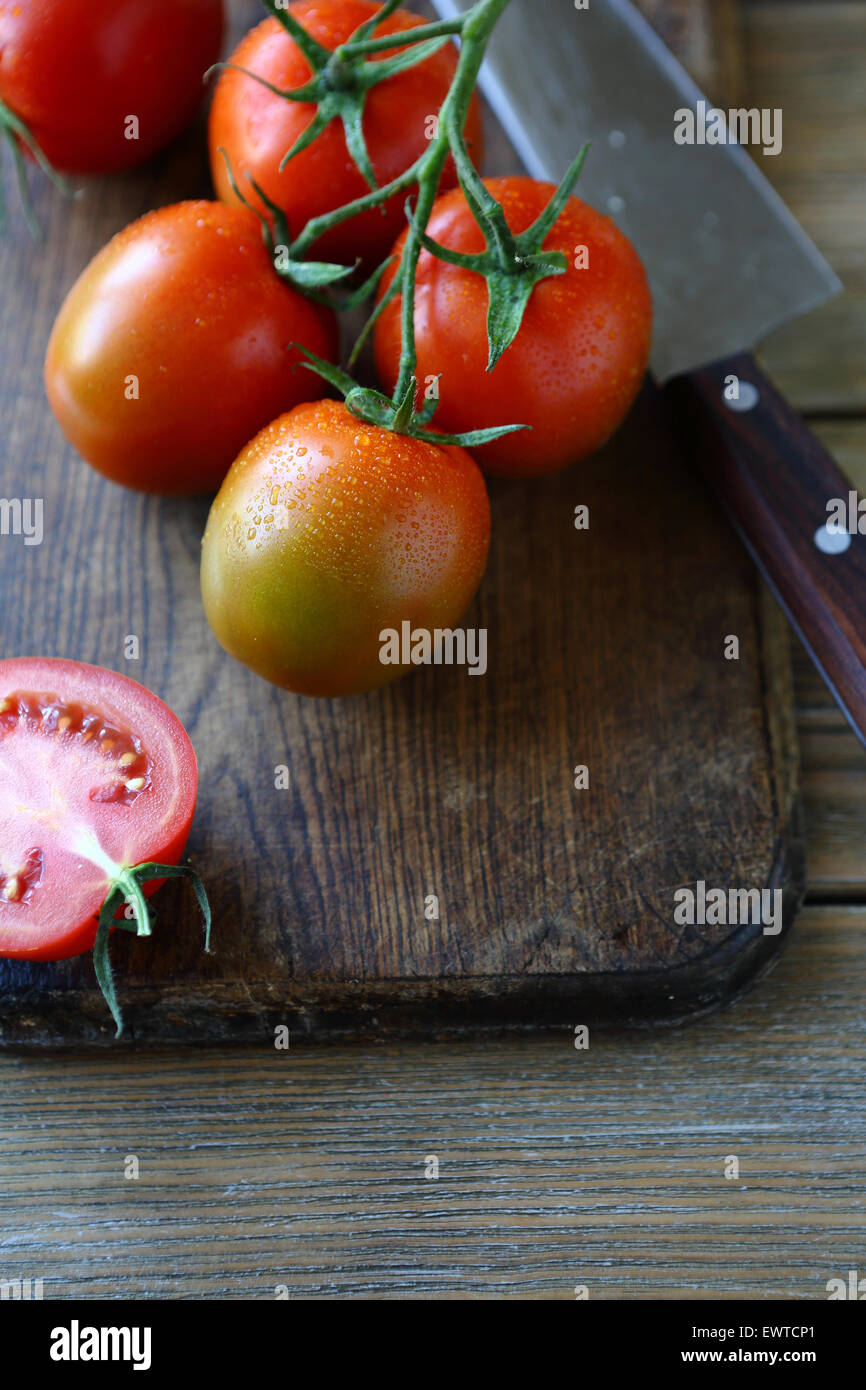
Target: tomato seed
[56, 719]
[18, 886]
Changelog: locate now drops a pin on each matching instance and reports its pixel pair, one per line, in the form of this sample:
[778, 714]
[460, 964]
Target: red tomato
[328, 531]
[257, 128]
[578, 360]
[97, 775]
[75, 71]
[171, 350]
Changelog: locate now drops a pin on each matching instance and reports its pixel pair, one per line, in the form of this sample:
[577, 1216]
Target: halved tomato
[97, 776]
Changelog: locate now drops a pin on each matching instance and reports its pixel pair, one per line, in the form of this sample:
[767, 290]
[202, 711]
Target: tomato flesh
[96, 774]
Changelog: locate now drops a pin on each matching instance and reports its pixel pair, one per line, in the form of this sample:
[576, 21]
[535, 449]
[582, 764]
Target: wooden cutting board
[431, 865]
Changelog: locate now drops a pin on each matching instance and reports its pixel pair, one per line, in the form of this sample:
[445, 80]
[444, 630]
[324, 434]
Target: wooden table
[556, 1168]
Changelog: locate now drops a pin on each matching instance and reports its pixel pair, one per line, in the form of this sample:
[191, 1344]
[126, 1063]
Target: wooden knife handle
[776, 481]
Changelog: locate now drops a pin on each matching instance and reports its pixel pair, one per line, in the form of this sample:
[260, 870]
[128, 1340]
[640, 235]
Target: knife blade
[727, 263]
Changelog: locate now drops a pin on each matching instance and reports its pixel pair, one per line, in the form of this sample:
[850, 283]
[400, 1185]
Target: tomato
[578, 360]
[257, 128]
[75, 71]
[96, 775]
[328, 531]
[171, 350]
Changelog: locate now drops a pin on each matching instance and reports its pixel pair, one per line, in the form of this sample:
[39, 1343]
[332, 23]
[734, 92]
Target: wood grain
[706, 36]
[464, 788]
[306, 1167]
[556, 1167]
[606, 649]
[809, 60]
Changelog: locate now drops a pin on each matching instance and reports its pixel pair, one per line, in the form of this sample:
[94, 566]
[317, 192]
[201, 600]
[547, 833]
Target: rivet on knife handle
[785, 495]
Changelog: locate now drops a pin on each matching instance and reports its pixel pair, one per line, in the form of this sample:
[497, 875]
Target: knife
[727, 263]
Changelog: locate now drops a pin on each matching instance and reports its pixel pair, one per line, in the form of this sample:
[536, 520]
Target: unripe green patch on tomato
[328, 530]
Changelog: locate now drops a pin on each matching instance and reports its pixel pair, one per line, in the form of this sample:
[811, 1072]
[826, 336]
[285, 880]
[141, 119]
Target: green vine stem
[310, 277]
[14, 133]
[511, 264]
[126, 888]
[342, 80]
[478, 26]
[399, 416]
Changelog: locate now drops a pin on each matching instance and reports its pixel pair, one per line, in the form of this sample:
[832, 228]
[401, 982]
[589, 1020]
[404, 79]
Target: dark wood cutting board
[607, 649]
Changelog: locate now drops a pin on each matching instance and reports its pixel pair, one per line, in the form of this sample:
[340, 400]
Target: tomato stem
[307, 276]
[342, 79]
[511, 264]
[442, 28]
[401, 417]
[126, 889]
[16, 134]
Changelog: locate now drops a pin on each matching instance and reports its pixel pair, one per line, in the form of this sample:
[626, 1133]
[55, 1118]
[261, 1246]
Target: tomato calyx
[125, 889]
[310, 277]
[16, 135]
[400, 417]
[343, 78]
[512, 263]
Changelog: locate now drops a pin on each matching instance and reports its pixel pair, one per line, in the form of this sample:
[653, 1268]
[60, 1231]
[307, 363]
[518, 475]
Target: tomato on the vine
[256, 128]
[326, 532]
[104, 84]
[98, 777]
[172, 349]
[581, 353]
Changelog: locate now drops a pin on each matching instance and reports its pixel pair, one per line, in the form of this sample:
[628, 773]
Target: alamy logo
[708, 125]
[854, 1289]
[22, 516]
[847, 515]
[77, 1343]
[21, 1288]
[714, 907]
[441, 647]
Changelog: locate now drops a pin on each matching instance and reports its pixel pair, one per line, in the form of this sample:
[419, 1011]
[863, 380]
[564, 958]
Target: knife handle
[775, 481]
